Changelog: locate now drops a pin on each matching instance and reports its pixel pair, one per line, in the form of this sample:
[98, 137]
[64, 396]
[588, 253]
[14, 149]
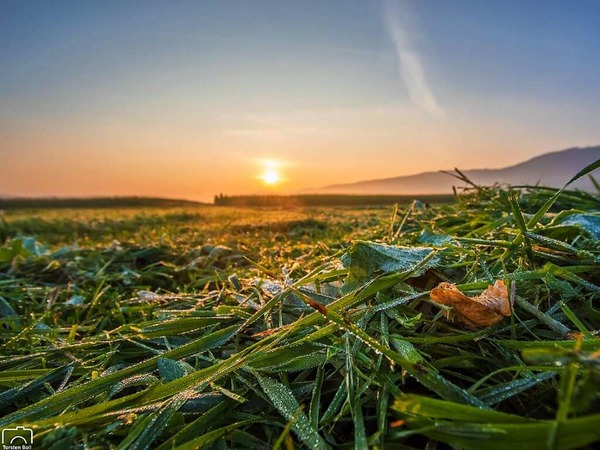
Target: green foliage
[205, 327]
[364, 259]
[588, 222]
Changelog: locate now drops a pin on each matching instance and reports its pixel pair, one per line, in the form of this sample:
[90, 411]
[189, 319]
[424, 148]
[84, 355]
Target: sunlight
[271, 177]
[272, 174]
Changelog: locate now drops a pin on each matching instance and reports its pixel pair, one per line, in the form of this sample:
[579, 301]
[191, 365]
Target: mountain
[550, 169]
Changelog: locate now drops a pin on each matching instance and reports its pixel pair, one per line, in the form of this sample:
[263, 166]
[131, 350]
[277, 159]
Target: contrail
[396, 21]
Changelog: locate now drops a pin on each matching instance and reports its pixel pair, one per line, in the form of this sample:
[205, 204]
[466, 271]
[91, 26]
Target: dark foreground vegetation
[312, 328]
[92, 202]
[246, 201]
[294, 201]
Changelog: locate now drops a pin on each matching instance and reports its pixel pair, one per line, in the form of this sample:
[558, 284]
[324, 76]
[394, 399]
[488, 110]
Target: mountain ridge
[549, 169]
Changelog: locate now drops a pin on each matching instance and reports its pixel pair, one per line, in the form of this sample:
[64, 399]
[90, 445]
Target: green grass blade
[73, 396]
[546, 207]
[283, 400]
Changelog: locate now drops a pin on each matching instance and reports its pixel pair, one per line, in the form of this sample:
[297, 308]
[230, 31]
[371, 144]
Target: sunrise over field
[299, 224]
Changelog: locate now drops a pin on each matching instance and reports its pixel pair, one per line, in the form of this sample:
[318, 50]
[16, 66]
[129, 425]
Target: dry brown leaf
[485, 310]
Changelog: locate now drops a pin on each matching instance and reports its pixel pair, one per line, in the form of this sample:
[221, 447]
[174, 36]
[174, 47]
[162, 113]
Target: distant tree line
[288, 201]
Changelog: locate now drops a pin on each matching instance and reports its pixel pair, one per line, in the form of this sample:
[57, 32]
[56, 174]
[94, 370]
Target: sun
[271, 176]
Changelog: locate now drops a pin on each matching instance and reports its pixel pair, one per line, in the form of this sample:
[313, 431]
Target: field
[217, 327]
[287, 201]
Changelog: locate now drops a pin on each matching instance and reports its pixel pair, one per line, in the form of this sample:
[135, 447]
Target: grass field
[326, 200]
[215, 327]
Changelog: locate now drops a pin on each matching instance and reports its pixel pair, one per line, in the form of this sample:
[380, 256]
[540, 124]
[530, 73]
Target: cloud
[398, 21]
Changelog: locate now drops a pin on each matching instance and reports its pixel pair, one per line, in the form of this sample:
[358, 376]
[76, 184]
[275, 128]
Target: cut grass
[142, 330]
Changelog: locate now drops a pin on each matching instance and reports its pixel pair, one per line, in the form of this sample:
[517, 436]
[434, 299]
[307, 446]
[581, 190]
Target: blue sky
[188, 99]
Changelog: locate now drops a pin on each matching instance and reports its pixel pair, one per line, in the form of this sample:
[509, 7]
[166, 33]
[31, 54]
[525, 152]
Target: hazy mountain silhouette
[550, 169]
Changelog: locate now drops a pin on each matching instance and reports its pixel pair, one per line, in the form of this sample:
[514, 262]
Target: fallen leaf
[485, 310]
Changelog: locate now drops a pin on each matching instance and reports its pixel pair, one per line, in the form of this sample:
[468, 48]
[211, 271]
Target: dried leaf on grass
[485, 310]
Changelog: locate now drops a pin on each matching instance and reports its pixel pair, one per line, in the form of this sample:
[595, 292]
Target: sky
[188, 99]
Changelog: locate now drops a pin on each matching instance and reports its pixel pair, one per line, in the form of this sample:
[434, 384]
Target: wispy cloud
[399, 21]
